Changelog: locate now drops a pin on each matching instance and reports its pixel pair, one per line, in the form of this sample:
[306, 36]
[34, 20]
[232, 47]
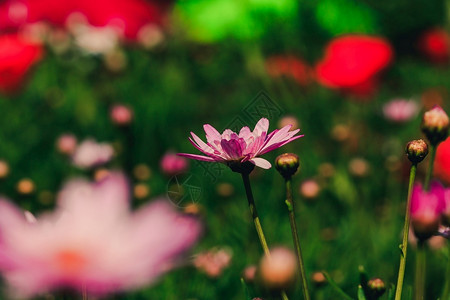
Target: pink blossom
[66, 143]
[400, 110]
[171, 164]
[90, 153]
[212, 262]
[91, 240]
[230, 147]
[121, 114]
[426, 209]
[446, 212]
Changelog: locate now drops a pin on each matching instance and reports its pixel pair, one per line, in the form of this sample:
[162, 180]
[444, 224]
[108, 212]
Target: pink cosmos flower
[426, 209]
[230, 147]
[400, 110]
[90, 154]
[171, 164]
[91, 241]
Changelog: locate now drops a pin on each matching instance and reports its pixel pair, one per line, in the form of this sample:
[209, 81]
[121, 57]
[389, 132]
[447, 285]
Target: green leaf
[336, 287]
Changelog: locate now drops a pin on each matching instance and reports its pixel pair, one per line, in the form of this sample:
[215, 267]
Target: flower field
[143, 149]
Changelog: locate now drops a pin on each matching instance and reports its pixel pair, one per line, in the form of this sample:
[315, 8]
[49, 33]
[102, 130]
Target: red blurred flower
[352, 61]
[289, 66]
[16, 57]
[435, 44]
[128, 15]
[442, 163]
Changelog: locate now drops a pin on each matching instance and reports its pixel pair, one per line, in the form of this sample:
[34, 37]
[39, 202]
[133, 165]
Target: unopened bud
[278, 271]
[287, 164]
[376, 288]
[416, 150]
[318, 279]
[435, 125]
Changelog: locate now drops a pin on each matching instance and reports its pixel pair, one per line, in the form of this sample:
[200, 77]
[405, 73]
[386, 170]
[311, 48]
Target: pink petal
[232, 148]
[245, 132]
[203, 147]
[261, 127]
[261, 162]
[211, 134]
[199, 157]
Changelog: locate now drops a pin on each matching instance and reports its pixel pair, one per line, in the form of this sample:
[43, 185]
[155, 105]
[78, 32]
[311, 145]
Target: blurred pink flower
[121, 114]
[400, 110]
[172, 164]
[92, 240]
[127, 15]
[230, 147]
[446, 211]
[90, 153]
[212, 262]
[426, 209]
[66, 143]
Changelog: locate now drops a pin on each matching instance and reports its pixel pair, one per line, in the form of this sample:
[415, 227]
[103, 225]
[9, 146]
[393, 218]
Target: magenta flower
[230, 147]
[426, 209]
[91, 241]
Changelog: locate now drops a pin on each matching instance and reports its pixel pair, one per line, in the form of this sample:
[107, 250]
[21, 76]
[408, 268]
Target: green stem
[426, 185]
[404, 245]
[420, 271]
[290, 205]
[446, 291]
[254, 213]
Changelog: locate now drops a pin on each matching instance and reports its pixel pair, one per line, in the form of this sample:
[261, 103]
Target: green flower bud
[416, 150]
[287, 164]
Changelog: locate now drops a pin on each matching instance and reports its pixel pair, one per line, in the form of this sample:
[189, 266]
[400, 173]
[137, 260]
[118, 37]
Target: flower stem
[84, 294]
[426, 185]
[404, 245]
[446, 291]
[254, 212]
[290, 205]
[420, 271]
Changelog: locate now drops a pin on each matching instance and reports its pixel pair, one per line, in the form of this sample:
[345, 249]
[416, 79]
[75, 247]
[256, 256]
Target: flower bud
[4, 169]
[416, 151]
[435, 125]
[376, 288]
[278, 271]
[287, 164]
[318, 279]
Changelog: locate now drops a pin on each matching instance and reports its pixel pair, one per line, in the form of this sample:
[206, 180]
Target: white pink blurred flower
[213, 261]
[90, 154]
[91, 240]
[400, 110]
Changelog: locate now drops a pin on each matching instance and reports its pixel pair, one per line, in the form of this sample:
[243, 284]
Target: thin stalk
[254, 213]
[419, 283]
[290, 205]
[84, 294]
[446, 291]
[426, 184]
[404, 245]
